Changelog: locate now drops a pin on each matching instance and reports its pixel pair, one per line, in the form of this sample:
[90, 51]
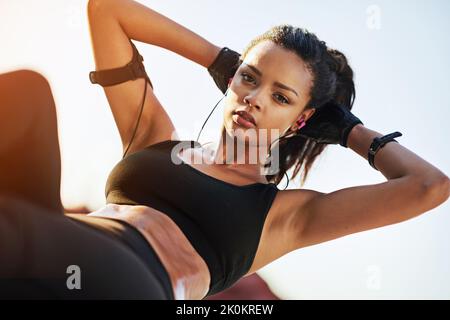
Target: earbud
[300, 123]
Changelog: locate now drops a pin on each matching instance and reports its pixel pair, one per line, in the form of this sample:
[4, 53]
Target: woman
[186, 231]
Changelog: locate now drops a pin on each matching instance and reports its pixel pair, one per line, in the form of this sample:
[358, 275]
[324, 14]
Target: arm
[393, 160]
[112, 23]
[414, 186]
[146, 25]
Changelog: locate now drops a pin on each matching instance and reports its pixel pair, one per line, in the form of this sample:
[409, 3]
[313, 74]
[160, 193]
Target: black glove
[224, 67]
[331, 124]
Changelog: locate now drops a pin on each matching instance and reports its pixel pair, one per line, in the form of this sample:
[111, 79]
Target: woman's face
[276, 84]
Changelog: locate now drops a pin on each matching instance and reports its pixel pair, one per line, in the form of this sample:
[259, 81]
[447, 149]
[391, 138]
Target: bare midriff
[188, 272]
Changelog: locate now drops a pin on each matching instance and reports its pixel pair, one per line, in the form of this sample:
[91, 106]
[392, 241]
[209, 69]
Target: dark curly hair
[332, 83]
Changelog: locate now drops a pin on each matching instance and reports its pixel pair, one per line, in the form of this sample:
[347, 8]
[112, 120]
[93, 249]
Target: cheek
[283, 124]
[276, 118]
[228, 109]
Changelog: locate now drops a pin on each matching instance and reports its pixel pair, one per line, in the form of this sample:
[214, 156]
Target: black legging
[38, 243]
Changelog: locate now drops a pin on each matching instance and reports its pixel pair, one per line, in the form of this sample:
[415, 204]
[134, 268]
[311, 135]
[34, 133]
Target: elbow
[435, 191]
[97, 6]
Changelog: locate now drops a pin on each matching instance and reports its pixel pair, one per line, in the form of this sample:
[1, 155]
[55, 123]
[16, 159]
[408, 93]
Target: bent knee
[24, 94]
[25, 77]
[24, 84]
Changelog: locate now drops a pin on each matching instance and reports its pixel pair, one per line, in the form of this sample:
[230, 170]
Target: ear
[308, 113]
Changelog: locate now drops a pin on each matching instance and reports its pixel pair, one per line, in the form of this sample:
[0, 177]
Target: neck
[242, 157]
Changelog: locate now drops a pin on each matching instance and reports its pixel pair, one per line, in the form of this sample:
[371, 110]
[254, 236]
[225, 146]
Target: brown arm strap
[131, 71]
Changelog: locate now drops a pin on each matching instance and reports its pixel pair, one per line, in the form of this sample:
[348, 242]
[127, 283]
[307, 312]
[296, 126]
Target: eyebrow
[276, 83]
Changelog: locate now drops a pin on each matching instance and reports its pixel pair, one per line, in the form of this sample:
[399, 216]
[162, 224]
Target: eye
[246, 77]
[281, 99]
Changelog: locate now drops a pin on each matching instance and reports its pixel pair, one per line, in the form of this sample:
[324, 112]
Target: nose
[253, 99]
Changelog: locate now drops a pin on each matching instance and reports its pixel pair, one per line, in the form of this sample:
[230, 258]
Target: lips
[247, 116]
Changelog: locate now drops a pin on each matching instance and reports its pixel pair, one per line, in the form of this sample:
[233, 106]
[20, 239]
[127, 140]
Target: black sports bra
[222, 221]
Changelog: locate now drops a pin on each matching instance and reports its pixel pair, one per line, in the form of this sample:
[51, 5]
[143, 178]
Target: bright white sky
[399, 51]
